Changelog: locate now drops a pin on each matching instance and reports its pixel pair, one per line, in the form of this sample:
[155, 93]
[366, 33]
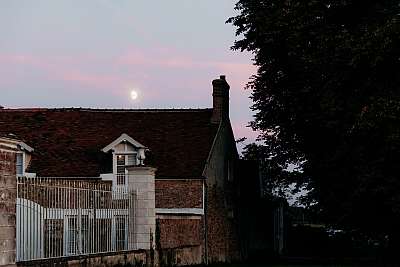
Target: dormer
[23, 158]
[126, 152]
[23, 154]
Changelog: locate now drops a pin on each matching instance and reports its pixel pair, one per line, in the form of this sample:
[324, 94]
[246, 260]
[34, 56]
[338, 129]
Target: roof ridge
[110, 109]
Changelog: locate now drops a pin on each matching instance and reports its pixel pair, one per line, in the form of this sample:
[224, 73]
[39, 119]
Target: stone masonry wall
[8, 191]
[179, 194]
[139, 258]
[223, 239]
[180, 232]
[222, 230]
[179, 237]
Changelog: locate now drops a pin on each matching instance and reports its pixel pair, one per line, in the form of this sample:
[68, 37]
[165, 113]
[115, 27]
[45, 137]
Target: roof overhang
[123, 138]
[25, 147]
[15, 143]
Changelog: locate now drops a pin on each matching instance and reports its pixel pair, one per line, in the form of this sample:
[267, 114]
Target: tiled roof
[68, 142]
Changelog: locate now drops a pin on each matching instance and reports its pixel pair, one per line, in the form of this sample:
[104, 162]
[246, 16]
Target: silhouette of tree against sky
[327, 99]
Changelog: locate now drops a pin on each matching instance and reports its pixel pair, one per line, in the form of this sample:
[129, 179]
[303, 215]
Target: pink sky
[56, 54]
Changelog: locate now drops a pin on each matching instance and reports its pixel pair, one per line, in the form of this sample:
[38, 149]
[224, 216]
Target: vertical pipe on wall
[205, 222]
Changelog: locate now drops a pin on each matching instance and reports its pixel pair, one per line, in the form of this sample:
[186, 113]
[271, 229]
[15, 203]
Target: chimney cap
[220, 83]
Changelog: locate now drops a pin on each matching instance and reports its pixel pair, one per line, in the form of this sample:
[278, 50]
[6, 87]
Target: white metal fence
[65, 217]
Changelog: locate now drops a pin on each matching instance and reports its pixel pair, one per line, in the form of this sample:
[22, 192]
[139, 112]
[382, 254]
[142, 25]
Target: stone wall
[223, 238]
[139, 258]
[181, 256]
[222, 229]
[179, 193]
[180, 237]
[180, 232]
[8, 191]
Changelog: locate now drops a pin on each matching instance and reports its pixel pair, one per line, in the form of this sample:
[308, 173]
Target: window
[123, 161]
[20, 164]
[120, 233]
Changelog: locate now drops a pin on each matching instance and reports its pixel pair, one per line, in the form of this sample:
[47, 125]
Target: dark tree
[327, 98]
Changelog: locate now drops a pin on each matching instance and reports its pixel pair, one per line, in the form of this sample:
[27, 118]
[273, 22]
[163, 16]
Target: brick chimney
[220, 100]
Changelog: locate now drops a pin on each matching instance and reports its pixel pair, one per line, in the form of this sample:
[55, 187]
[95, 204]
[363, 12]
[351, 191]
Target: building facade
[179, 164]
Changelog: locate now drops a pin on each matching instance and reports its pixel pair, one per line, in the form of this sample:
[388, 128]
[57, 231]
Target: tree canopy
[327, 98]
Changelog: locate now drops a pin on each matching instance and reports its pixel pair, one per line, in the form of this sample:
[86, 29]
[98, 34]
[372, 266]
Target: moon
[134, 95]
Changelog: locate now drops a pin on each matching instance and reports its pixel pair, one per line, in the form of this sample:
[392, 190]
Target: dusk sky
[94, 53]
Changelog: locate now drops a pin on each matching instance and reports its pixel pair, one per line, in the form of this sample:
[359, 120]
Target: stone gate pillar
[8, 200]
[141, 181]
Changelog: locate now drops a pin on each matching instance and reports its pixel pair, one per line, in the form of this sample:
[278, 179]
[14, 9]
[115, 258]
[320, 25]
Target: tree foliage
[327, 97]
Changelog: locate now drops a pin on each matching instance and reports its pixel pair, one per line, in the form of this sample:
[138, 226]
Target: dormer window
[126, 152]
[23, 154]
[23, 157]
[123, 161]
[20, 164]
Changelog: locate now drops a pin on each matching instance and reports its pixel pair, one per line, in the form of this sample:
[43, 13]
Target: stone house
[181, 162]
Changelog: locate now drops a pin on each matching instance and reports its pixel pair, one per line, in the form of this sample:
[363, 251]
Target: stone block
[8, 194]
[151, 212]
[146, 204]
[7, 219]
[144, 212]
[7, 180]
[142, 179]
[143, 245]
[143, 238]
[7, 207]
[145, 220]
[138, 212]
[150, 195]
[7, 244]
[7, 232]
[7, 257]
[144, 229]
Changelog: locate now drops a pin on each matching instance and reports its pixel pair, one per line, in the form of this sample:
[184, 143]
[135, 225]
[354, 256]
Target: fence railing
[66, 217]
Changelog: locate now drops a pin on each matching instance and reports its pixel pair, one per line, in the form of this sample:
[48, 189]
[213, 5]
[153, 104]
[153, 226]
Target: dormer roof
[13, 142]
[123, 138]
[25, 147]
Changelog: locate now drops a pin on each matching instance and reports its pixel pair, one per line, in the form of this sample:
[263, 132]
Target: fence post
[8, 200]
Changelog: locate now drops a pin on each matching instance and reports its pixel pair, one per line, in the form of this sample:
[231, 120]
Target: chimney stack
[220, 100]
